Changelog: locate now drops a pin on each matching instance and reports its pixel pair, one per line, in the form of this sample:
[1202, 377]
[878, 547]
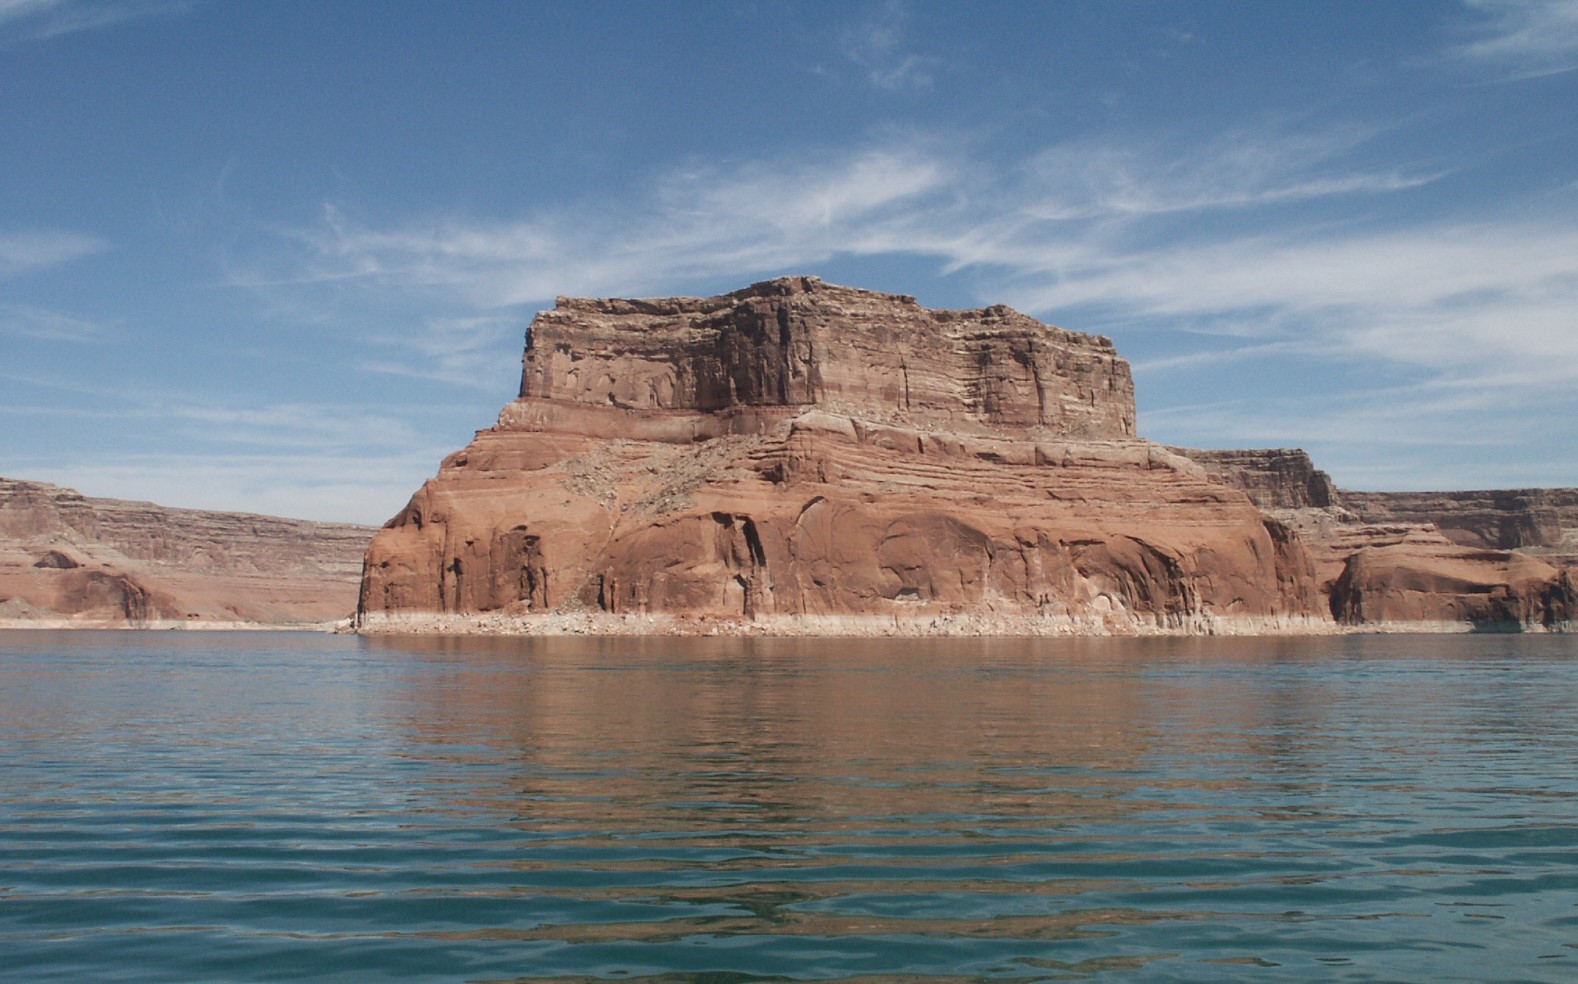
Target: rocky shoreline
[969, 625]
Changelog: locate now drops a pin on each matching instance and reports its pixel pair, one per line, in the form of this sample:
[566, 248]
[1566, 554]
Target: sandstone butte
[69, 560]
[798, 457]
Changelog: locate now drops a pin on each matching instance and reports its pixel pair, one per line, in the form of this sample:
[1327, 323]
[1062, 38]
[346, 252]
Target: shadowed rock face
[804, 449]
[65, 555]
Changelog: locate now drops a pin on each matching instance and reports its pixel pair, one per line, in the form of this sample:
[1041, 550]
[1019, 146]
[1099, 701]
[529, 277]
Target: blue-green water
[210, 807]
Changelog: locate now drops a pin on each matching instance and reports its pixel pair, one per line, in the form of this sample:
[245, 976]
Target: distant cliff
[66, 556]
[1492, 559]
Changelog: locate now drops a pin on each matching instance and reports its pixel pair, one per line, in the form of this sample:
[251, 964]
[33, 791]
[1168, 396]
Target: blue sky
[280, 257]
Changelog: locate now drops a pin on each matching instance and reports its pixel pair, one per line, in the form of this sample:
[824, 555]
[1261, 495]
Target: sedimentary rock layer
[1273, 478]
[802, 449]
[1493, 559]
[64, 555]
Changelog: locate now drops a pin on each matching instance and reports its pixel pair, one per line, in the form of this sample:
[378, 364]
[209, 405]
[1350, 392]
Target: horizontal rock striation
[1540, 520]
[1485, 559]
[1273, 478]
[805, 450]
[798, 342]
[64, 555]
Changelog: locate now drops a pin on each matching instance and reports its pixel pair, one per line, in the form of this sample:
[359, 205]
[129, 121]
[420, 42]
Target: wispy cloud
[1525, 38]
[1262, 248]
[1235, 171]
[695, 223]
[22, 321]
[879, 45]
[25, 251]
[38, 20]
[318, 427]
[458, 351]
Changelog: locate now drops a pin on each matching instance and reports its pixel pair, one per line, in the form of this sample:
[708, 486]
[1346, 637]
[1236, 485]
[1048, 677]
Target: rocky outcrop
[801, 450]
[1484, 559]
[1274, 478]
[1491, 590]
[66, 556]
[1540, 521]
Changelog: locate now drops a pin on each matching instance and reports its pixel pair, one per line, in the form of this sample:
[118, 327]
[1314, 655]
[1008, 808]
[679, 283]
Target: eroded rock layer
[801, 449]
[1493, 560]
[67, 556]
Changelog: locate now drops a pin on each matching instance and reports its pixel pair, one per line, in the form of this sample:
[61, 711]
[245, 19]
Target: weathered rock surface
[801, 449]
[1273, 478]
[1539, 521]
[1495, 590]
[64, 555]
[1487, 559]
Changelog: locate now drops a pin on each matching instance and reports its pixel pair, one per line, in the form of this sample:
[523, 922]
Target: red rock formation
[64, 555]
[1495, 590]
[1273, 478]
[1485, 559]
[801, 449]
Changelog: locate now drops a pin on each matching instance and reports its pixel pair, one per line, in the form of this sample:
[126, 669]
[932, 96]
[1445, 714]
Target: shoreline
[897, 626]
[170, 625]
[943, 626]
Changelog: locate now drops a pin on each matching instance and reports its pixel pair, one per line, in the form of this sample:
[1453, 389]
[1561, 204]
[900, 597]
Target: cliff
[1493, 559]
[66, 556]
[1274, 478]
[798, 450]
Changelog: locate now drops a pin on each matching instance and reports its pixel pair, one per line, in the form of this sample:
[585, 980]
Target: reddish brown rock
[1273, 478]
[65, 556]
[1420, 557]
[1543, 522]
[1492, 590]
[801, 449]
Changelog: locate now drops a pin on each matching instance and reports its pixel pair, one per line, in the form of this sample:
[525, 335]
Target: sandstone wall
[799, 341]
[800, 449]
[66, 555]
[1274, 478]
[1506, 519]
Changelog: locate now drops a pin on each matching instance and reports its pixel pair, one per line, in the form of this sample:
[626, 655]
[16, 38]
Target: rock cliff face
[64, 555]
[1497, 559]
[1277, 478]
[1538, 520]
[805, 450]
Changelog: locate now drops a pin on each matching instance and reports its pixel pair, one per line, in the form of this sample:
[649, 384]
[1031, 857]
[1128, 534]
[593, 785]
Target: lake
[193, 806]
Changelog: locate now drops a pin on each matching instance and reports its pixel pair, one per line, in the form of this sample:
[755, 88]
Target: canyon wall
[1494, 559]
[66, 556]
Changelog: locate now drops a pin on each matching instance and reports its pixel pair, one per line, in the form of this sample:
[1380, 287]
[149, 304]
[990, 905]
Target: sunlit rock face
[67, 556]
[801, 449]
[1495, 560]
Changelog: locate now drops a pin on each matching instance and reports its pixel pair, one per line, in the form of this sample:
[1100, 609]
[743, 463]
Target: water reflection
[721, 810]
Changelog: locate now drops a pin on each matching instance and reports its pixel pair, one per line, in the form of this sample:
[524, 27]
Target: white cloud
[29, 251]
[23, 321]
[880, 47]
[1239, 170]
[366, 488]
[695, 223]
[1526, 38]
[458, 351]
[38, 20]
[1236, 249]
